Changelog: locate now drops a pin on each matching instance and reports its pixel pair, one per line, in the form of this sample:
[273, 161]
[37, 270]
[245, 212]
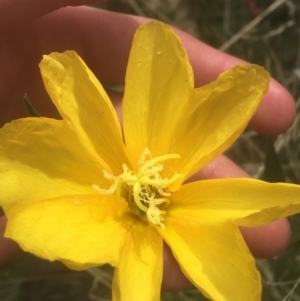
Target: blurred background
[266, 32]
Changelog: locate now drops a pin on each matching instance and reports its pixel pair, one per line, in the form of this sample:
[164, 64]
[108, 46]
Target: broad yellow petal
[42, 158]
[83, 103]
[158, 83]
[139, 270]
[247, 202]
[81, 231]
[215, 258]
[216, 115]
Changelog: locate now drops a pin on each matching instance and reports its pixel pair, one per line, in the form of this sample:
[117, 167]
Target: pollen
[148, 191]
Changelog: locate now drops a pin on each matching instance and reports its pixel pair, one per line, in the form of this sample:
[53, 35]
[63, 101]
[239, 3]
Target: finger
[263, 242]
[173, 278]
[207, 64]
[269, 240]
[278, 101]
[9, 250]
[103, 39]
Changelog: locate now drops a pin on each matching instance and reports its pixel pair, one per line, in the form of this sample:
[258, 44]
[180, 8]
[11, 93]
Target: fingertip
[269, 240]
[276, 113]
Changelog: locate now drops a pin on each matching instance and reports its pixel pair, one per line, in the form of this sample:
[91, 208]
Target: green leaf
[31, 109]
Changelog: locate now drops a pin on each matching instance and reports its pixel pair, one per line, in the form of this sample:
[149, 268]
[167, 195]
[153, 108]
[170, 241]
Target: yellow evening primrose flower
[81, 191]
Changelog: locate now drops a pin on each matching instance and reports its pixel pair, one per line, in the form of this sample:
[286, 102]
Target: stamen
[137, 197]
[149, 189]
[154, 215]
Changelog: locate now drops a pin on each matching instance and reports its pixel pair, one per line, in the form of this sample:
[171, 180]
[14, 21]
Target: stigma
[148, 193]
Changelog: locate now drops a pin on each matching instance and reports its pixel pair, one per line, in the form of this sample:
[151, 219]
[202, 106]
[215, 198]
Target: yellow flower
[80, 191]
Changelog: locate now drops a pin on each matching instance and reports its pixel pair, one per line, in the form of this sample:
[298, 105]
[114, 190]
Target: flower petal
[82, 102]
[216, 116]
[138, 275]
[215, 258]
[159, 80]
[247, 202]
[80, 231]
[42, 158]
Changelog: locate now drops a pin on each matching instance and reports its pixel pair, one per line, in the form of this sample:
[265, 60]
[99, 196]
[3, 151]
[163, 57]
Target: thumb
[13, 13]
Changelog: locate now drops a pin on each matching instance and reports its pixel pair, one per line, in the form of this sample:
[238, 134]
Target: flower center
[148, 191]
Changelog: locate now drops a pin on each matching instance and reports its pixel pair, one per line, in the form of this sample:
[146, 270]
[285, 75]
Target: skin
[29, 29]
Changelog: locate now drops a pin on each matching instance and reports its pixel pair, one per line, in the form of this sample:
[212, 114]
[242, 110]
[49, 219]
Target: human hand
[103, 40]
